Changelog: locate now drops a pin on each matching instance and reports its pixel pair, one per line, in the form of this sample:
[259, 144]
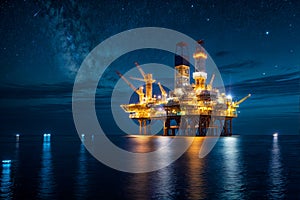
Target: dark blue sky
[255, 44]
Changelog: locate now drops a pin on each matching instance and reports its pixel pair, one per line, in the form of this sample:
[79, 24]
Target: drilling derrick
[182, 67]
[200, 74]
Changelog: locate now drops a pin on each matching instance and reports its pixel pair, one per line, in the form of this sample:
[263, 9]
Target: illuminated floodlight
[275, 134]
[229, 96]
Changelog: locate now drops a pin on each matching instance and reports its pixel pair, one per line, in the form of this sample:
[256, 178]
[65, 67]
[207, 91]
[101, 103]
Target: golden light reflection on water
[196, 184]
[141, 144]
[166, 178]
[144, 144]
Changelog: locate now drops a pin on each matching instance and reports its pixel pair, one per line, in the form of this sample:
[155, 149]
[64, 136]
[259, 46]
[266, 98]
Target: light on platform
[229, 97]
[275, 135]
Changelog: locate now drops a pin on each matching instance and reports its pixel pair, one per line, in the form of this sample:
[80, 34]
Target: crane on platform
[163, 92]
[209, 86]
[236, 104]
[140, 69]
[147, 78]
[138, 91]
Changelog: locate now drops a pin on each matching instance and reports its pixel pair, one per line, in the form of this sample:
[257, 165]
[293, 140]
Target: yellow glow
[199, 55]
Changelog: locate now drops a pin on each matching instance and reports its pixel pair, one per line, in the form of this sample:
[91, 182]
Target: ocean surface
[238, 167]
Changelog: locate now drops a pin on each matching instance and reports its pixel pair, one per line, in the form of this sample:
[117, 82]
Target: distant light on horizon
[6, 161]
[47, 137]
[275, 134]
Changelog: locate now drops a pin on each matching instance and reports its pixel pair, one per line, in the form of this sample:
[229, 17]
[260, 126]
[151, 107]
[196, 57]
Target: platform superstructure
[190, 109]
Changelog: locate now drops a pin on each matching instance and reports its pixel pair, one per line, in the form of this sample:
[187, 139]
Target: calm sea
[239, 167]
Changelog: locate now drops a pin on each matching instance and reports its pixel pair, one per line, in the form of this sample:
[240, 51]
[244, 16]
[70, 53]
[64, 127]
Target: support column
[230, 133]
[148, 127]
[140, 127]
[166, 126]
[145, 125]
[225, 128]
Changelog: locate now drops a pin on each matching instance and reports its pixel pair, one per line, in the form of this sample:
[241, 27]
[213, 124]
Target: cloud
[46, 98]
[276, 85]
[274, 107]
[222, 53]
[238, 67]
[15, 91]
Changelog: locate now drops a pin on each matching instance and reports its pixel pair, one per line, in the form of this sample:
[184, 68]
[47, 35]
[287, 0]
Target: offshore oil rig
[196, 109]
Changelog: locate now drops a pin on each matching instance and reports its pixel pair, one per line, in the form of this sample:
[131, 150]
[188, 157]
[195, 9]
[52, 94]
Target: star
[192, 6]
[267, 33]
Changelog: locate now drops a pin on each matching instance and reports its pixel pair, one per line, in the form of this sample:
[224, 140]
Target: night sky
[255, 44]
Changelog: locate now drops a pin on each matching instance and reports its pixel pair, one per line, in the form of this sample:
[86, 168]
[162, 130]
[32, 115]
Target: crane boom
[242, 100]
[140, 69]
[162, 90]
[212, 80]
[138, 79]
[128, 83]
